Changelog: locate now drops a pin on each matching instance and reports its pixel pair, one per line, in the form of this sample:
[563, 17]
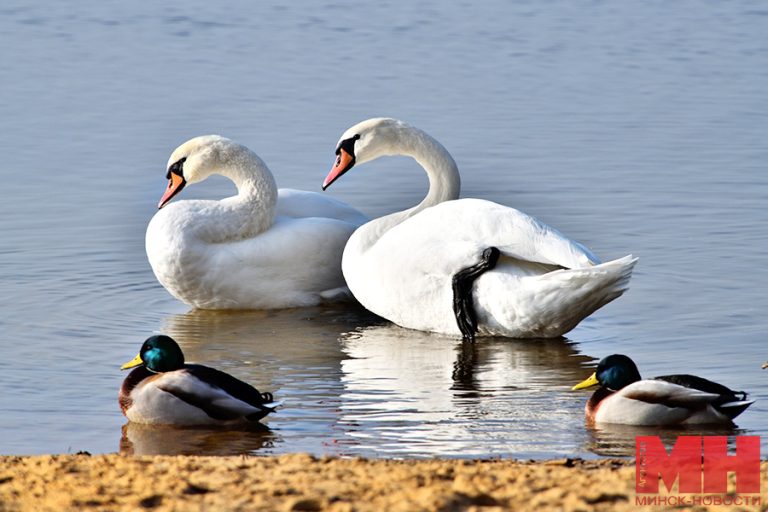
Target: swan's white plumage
[299, 204]
[263, 248]
[401, 266]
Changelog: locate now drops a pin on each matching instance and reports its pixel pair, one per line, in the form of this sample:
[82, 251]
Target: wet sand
[302, 482]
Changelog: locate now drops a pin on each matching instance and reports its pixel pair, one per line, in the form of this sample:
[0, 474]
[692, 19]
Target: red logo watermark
[700, 465]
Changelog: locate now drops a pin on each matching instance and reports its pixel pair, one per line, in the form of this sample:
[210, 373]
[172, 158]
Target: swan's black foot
[463, 308]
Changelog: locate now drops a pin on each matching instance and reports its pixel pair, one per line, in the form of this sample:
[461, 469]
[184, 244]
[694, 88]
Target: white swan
[465, 266]
[262, 248]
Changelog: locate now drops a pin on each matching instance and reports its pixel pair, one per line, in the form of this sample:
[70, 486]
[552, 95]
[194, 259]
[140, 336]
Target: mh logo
[700, 464]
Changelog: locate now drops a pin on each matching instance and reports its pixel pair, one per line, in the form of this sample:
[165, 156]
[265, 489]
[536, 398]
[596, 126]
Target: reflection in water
[267, 348]
[619, 440]
[419, 394]
[382, 390]
[141, 439]
[295, 354]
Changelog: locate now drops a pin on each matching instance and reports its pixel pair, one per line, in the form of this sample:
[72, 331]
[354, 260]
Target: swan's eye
[348, 145]
[176, 168]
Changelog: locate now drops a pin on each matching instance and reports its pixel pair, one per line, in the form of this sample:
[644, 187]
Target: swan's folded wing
[301, 204]
[220, 395]
[665, 393]
[516, 234]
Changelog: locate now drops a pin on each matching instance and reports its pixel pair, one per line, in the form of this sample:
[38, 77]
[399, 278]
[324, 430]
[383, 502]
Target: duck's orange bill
[344, 162]
[175, 184]
[588, 383]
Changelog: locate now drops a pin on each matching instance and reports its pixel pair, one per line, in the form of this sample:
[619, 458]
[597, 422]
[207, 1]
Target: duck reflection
[141, 439]
[613, 440]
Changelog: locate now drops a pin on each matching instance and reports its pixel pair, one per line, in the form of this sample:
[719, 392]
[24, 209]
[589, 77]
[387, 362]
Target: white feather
[264, 248]
[401, 266]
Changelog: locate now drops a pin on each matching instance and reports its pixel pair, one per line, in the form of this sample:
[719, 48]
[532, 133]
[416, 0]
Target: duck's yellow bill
[588, 383]
[133, 363]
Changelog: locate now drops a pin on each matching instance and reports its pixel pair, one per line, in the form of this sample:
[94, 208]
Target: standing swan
[465, 266]
[262, 248]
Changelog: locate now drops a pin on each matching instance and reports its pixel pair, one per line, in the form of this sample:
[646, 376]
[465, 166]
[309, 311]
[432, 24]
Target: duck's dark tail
[733, 409]
[265, 408]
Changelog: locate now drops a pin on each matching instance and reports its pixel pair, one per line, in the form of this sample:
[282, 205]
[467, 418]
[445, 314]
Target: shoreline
[304, 482]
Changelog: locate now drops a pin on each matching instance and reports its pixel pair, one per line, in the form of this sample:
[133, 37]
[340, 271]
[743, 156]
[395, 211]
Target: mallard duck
[164, 390]
[624, 397]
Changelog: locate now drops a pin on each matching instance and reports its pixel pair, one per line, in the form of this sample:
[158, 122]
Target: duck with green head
[624, 397]
[163, 389]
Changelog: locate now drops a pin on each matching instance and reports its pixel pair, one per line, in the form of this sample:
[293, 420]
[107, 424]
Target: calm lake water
[632, 127]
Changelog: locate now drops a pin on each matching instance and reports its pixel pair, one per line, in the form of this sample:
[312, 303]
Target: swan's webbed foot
[463, 309]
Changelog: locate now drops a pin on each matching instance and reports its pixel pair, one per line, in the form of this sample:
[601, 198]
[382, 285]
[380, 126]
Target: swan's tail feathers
[618, 273]
[733, 409]
[611, 279]
[563, 298]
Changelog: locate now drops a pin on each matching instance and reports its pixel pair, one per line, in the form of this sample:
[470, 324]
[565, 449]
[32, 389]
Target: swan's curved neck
[441, 169]
[248, 213]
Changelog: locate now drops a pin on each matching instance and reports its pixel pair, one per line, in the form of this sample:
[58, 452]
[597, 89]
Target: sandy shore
[302, 482]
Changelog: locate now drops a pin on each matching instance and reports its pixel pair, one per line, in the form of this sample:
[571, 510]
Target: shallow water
[631, 127]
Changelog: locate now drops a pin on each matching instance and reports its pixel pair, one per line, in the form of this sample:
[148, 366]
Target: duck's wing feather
[670, 394]
[728, 402]
[692, 381]
[220, 395]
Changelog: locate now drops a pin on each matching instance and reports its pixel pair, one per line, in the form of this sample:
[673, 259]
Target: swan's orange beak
[175, 184]
[344, 162]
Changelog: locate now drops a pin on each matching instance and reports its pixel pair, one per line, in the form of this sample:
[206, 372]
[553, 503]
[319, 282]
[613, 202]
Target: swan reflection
[409, 393]
[381, 390]
[293, 353]
[267, 349]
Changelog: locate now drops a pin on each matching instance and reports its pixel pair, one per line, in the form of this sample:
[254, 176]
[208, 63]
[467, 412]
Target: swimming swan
[465, 266]
[262, 248]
